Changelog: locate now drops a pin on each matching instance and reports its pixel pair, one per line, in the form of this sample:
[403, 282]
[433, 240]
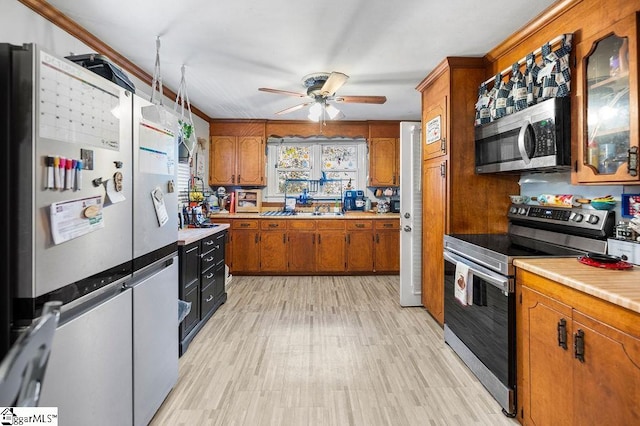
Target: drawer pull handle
[273, 225]
[578, 345]
[562, 334]
[209, 276]
[359, 225]
[209, 299]
[244, 225]
[208, 242]
[209, 259]
[388, 225]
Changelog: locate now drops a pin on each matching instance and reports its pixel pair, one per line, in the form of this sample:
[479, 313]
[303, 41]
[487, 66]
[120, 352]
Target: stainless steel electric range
[482, 331]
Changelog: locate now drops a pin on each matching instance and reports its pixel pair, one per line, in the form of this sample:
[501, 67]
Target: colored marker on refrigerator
[56, 172]
[63, 163]
[49, 163]
[78, 175]
[67, 174]
[74, 164]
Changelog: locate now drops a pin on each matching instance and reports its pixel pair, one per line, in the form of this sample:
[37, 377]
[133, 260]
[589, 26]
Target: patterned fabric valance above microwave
[545, 77]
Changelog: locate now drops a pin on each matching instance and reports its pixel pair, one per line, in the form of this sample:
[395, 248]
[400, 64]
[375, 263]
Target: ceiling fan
[321, 88]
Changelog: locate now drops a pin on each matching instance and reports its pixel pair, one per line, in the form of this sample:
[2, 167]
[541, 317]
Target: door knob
[407, 228]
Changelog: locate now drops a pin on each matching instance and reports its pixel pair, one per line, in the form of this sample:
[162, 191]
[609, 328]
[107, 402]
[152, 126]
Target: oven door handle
[499, 281]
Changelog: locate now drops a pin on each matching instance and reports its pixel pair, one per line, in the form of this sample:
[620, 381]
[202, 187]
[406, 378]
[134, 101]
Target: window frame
[271, 194]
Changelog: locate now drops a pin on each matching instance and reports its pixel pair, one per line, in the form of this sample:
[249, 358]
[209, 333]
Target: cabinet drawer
[245, 224]
[331, 224]
[209, 243]
[302, 224]
[209, 259]
[267, 225]
[359, 225]
[207, 299]
[386, 224]
[207, 278]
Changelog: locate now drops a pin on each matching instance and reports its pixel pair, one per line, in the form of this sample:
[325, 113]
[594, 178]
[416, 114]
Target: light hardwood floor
[323, 351]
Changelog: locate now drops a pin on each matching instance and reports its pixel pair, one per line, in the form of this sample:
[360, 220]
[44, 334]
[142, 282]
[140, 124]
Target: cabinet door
[387, 251]
[383, 162]
[222, 160]
[606, 384]
[607, 99]
[273, 251]
[360, 251]
[330, 252]
[246, 251]
[434, 135]
[547, 365]
[250, 157]
[434, 211]
[302, 251]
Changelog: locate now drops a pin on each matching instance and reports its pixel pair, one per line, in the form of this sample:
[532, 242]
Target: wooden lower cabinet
[273, 246]
[387, 246]
[359, 246]
[578, 356]
[331, 248]
[312, 246]
[245, 238]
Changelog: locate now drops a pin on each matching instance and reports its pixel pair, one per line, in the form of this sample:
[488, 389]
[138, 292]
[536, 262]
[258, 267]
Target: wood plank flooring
[323, 350]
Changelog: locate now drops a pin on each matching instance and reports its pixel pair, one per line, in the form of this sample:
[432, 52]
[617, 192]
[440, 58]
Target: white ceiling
[230, 48]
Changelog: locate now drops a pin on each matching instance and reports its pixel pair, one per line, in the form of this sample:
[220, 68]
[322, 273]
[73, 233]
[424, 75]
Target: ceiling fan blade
[294, 108]
[361, 99]
[282, 92]
[333, 83]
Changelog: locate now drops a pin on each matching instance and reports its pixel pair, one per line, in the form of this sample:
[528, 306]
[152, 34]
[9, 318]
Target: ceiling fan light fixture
[315, 112]
[334, 113]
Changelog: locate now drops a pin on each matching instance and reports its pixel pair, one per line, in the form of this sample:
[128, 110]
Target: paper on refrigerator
[74, 218]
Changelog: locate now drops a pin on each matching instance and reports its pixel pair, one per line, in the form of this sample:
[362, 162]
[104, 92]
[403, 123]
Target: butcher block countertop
[191, 235]
[620, 287]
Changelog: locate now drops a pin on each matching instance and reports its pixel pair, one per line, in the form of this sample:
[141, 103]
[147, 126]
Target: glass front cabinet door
[607, 106]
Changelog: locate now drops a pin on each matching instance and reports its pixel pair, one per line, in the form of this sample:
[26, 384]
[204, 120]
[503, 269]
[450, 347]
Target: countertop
[191, 235]
[347, 215]
[621, 287]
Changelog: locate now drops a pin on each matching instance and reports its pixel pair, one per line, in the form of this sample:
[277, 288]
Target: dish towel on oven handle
[463, 288]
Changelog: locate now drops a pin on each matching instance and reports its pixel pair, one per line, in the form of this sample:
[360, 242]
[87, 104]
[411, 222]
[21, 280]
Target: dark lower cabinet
[202, 283]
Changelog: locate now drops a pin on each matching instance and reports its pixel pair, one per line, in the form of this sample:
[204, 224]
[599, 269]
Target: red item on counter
[232, 203]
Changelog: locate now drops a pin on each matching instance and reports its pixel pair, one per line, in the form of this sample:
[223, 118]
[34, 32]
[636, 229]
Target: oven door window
[484, 326]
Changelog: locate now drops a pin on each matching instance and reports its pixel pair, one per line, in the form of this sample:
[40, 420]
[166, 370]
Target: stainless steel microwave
[535, 139]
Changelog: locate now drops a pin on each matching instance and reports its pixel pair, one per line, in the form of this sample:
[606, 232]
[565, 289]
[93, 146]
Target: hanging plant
[187, 129]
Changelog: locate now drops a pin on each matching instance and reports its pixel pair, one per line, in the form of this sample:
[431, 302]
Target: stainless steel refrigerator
[410, 214]
[69, 207]
[155, 258]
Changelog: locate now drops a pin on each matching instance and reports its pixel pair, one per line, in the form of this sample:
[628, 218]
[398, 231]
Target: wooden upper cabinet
[434, 129]
[237, 160]
[384, 159]
[605, 112]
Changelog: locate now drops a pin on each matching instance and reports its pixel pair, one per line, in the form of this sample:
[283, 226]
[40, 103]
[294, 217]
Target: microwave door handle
[521, 140]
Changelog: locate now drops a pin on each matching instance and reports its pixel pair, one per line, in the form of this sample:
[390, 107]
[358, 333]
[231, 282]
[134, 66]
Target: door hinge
[520, 298]
[443, 144]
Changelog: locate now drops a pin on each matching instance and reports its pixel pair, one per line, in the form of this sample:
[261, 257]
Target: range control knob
[578, 217]
[522, 210]
[513, 210]
[592, 219]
